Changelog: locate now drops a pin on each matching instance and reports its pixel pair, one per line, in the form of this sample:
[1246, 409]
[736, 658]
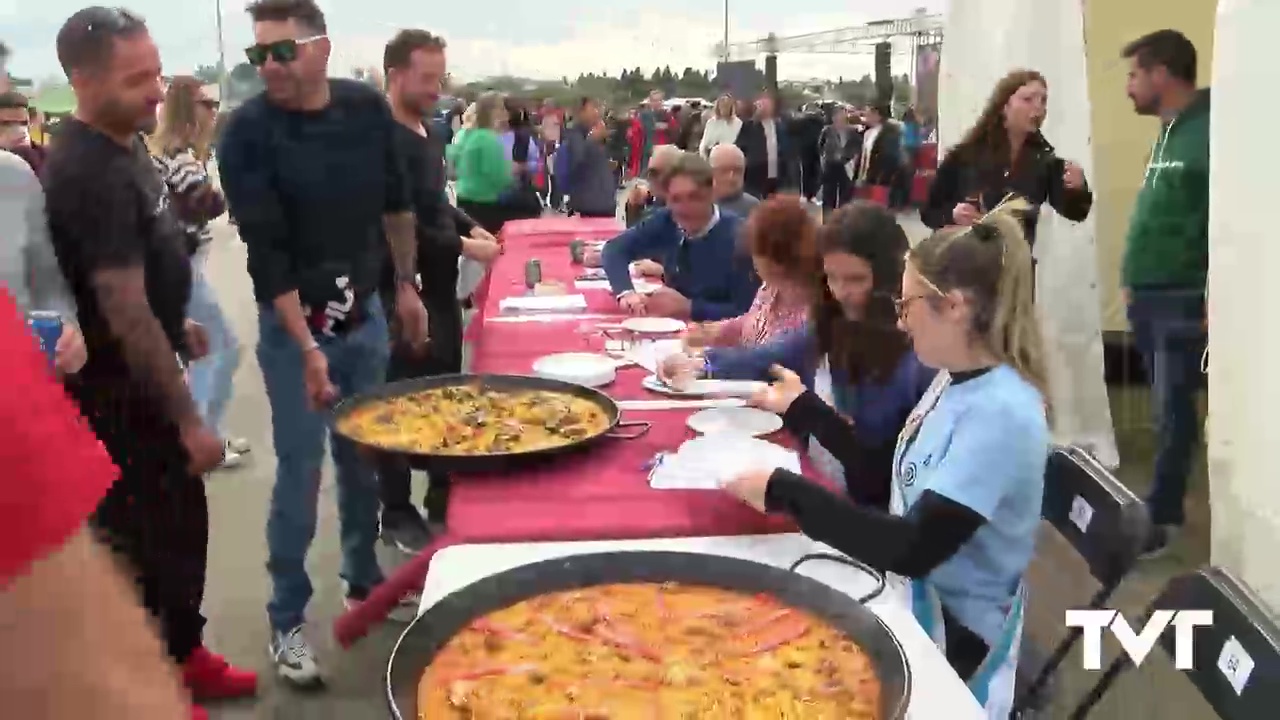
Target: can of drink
[47, 327]
[577, 250]
[532, 273]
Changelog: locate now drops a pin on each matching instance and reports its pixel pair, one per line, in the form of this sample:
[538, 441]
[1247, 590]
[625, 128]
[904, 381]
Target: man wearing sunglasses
[314, 178]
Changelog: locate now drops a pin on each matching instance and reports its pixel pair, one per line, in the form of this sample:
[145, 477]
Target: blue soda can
[47, 327]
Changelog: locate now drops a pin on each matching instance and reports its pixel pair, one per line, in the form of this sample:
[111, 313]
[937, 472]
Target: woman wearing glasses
[968, 469]
[859, 364]
[180, 148]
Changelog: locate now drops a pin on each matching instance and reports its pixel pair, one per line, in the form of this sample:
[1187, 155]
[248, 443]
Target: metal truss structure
[920, 29]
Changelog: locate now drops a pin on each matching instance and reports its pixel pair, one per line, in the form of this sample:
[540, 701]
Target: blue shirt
[984, 445]
[710, 270]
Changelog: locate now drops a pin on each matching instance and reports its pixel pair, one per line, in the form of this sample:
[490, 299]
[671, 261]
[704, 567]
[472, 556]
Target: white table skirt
[937, 693]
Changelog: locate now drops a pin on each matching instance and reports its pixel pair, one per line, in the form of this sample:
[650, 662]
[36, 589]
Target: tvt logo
[1137, 645]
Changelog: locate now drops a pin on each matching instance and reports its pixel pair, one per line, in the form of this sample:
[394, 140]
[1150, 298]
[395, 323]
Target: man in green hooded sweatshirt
[1166, 262]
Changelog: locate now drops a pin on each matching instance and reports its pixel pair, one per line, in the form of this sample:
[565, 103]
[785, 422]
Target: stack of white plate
[590, 369]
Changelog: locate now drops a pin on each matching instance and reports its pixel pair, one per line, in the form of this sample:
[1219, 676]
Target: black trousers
[443, 357]
[155, 518]
[836, 186]
[491, 216]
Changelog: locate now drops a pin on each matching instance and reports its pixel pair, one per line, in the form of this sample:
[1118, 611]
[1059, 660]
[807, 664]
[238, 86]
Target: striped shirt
[184, 174]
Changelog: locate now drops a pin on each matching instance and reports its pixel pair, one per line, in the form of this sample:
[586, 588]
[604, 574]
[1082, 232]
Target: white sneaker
[295, 660]
[239, 446]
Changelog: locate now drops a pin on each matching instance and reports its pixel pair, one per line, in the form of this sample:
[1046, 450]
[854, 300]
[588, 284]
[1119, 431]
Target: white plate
[751, 422]
[587, 369]
[654, 325]
[702, 388]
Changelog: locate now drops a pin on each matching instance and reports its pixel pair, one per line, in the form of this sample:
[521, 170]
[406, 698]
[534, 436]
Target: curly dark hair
[871, 347]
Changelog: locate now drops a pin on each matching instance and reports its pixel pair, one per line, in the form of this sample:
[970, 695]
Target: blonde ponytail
[991, 263]
[1014, 334]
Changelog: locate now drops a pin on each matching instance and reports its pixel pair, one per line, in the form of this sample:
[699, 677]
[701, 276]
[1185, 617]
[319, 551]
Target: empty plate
[654, 325]
[587, 369]
[748, 421]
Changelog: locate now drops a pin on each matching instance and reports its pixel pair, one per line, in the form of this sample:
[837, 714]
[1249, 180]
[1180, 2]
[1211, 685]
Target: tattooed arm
[122, 298]
[401, 231]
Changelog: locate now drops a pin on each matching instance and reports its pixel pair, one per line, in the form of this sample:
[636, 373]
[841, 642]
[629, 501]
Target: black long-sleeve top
[933, 529]
[309, 190]
[966, 173]
[440, 226]
[912, 545]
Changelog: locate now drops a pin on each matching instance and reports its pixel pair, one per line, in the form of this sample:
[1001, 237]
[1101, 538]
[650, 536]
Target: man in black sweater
[414, 63]
[315, 180]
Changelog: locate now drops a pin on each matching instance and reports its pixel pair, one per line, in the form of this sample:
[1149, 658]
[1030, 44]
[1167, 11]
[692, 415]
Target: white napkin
[543, 318]
[680, 404]
[710, 461]
[594, 284]
[543, 303]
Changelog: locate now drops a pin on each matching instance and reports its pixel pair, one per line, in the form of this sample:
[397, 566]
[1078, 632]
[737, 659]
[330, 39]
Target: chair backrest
[1102, 520]
[1236, 661]
[1105, 524]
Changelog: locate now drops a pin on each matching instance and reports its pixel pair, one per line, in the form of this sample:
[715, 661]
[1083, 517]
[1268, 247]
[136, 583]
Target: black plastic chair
[1106, 524]
[1236, 661]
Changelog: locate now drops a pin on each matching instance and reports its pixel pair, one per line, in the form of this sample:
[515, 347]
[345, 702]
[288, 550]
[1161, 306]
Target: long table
[601, 493]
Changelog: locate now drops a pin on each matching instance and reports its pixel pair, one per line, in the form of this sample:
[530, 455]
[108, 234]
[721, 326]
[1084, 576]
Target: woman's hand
[679, 369]
[700, 335]
[750, 487]
[965, 214]
[778, 395]
[1072, 176]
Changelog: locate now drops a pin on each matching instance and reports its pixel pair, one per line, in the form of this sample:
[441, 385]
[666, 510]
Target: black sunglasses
[282, 51]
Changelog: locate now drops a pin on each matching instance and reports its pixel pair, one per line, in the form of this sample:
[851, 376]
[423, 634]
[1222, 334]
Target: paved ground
[238, 587]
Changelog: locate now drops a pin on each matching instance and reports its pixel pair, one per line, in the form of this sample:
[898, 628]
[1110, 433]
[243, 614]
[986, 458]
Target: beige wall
[1121, 139]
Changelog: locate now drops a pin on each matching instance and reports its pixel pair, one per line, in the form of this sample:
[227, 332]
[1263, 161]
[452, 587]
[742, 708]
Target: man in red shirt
[74, 641]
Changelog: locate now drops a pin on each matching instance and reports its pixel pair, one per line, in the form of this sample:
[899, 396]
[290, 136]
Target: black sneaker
[405, 528]
[1159, 539]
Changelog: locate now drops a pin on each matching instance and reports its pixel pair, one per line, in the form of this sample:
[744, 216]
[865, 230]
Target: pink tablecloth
[601, 493]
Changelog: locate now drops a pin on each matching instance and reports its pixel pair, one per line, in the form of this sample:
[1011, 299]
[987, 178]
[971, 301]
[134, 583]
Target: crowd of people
[916, 374]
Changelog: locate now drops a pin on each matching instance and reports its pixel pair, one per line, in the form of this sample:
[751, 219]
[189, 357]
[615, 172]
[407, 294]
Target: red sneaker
[210, 677]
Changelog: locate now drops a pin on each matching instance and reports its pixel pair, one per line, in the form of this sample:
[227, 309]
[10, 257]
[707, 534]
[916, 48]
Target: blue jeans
[1168, 330]
[211, 375]
[357, 362]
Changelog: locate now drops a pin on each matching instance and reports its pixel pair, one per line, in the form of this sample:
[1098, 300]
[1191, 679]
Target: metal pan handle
[641, 424]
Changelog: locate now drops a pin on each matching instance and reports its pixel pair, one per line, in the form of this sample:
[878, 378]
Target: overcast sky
[486, 37]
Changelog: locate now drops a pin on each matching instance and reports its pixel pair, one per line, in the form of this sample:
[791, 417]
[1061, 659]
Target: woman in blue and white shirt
[968, 471]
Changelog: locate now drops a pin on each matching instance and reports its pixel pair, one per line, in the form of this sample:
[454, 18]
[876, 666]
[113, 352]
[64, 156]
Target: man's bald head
[727, 167]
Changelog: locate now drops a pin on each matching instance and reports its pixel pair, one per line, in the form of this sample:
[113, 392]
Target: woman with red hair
[781, 236]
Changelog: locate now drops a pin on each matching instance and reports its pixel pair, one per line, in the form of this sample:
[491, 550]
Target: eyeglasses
[282, 51]
[902, 304]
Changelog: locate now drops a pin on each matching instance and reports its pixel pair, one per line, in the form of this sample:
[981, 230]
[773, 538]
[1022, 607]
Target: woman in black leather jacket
[1004, 153]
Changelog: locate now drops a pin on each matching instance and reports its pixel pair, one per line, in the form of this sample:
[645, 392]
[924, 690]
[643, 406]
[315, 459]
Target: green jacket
[1168, 241]
[482, 166]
